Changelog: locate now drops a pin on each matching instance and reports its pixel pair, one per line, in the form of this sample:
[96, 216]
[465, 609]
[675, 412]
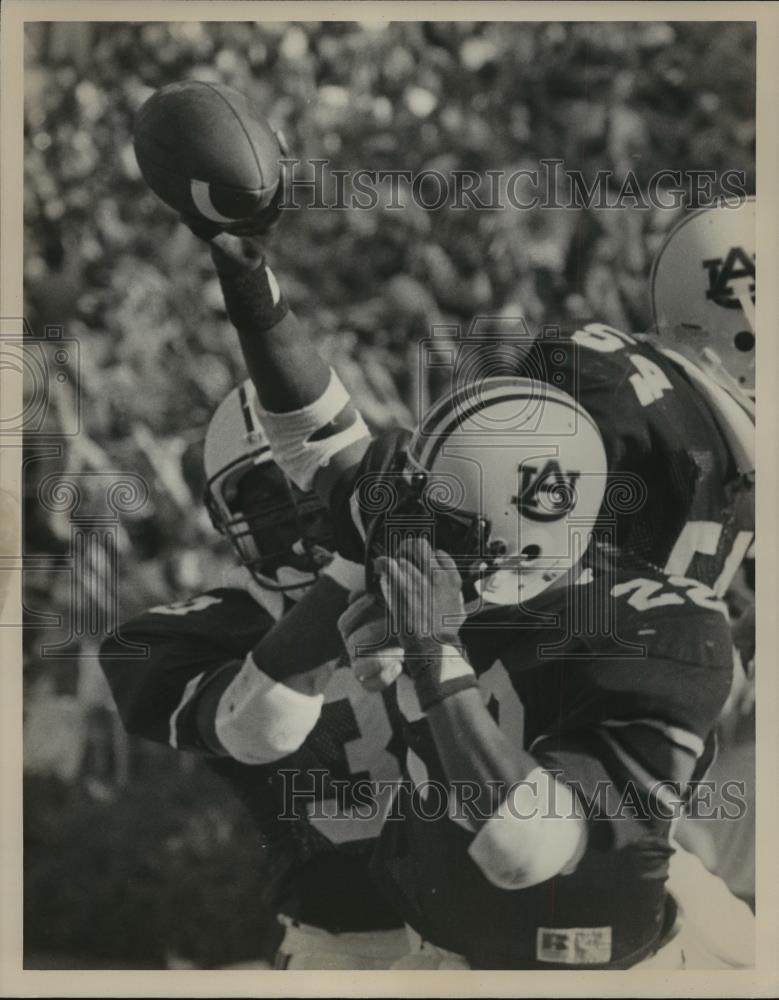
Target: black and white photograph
[379, 488]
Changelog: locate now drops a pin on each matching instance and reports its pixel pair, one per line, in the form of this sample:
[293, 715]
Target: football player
[454, 736]
[514, 538]
[518, 536]
[575, 724]
[290, 744]
[670, 432]
[703, 301]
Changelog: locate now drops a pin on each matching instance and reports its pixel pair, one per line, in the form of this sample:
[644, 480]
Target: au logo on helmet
[548, 494]
[725, 275]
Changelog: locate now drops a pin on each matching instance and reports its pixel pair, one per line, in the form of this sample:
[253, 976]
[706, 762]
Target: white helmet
[269, 522]
[703, 293]
[511, 473]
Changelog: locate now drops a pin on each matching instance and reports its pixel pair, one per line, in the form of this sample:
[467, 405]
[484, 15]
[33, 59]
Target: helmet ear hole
[744, 340]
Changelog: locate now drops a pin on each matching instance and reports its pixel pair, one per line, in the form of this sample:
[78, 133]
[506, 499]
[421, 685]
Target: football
[206, 152]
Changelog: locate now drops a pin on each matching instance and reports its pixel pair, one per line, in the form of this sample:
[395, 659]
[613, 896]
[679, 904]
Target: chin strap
[712, 365]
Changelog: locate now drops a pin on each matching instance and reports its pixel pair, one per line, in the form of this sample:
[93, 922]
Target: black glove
[423, 591]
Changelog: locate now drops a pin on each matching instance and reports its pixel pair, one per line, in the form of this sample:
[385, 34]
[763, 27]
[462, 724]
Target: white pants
[717, 928]
[307, 947]
[420, 954]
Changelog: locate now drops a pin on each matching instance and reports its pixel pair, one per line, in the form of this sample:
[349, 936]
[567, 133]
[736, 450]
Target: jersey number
[649, 382]
[367, 752]
[703, 537]
[649, 594]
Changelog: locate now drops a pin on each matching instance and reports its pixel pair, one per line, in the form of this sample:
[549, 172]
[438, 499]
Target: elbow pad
[305, 440]
[535, 834]
[259, 720]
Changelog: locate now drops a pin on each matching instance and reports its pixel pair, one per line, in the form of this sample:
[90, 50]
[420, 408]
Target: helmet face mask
[282, 535]
[463, 534]
[703, 293]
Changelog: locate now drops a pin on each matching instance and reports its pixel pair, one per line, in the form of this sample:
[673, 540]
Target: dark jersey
[697, 515]
[695, 511]
[301, 804]
[615, 690]
[618, 690]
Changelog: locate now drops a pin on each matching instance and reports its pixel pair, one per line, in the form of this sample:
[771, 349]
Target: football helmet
[703, 293]
[510, 474]
[281, 534]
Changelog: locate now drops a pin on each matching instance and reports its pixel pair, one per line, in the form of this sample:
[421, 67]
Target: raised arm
[315, 431]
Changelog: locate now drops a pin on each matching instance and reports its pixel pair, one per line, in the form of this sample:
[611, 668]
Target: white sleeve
[293, 436]
[534, 835]
[260, 720]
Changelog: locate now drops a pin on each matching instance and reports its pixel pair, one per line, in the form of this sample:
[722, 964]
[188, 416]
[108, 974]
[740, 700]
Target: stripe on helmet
[246, 409]
[452, 411]
[254, 457]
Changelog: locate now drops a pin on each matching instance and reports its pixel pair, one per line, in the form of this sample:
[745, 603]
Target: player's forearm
[259, 719]
[280, 355]
[275, 701]
[314, 430]
[306, 636]
[265, 708]
[283, 365]
[473, 750]
[526, 823]
[251, 717]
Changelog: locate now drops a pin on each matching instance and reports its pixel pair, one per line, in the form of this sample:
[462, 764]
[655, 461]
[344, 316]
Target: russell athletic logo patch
[574, 945]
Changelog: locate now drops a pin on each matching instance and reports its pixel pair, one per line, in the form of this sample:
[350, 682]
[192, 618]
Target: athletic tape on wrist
[434, 694]
[295, 437]
[443, 674]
